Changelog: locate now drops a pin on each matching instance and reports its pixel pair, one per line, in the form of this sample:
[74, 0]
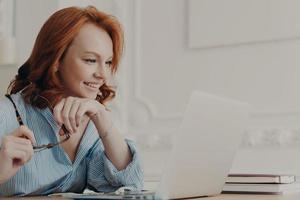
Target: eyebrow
[96, 54]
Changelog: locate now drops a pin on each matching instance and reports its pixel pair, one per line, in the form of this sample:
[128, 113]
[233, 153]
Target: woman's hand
[16, 150]
[71, 111]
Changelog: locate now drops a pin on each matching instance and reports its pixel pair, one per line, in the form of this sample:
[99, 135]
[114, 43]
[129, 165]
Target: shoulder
[8, 120]
[7, 108]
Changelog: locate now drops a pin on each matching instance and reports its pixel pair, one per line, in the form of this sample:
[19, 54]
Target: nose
[100, 72]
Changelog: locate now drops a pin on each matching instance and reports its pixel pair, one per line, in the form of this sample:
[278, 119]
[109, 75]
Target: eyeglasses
[38, 148]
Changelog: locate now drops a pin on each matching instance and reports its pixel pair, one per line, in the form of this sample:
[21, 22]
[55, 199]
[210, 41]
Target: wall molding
[240, 26]
[148, 109]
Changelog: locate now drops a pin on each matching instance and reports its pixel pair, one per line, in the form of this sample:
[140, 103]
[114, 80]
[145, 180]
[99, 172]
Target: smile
[92, 85]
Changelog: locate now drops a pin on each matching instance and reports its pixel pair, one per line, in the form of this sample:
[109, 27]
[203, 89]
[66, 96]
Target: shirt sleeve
[103, 175]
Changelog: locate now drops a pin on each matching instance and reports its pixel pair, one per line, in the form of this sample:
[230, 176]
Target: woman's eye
[90, 60]
[109, 63]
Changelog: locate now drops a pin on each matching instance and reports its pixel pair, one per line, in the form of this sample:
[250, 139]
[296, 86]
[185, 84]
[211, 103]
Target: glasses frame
[38, 148]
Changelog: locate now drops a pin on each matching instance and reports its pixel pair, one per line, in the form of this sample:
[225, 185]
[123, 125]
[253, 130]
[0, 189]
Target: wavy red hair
[38, 73]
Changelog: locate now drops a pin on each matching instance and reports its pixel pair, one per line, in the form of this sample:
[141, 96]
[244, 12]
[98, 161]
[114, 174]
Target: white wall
[29, 17]
[258, 67]
[163, 63]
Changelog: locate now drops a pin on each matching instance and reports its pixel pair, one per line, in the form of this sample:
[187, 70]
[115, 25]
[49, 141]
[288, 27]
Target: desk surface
[295, 196]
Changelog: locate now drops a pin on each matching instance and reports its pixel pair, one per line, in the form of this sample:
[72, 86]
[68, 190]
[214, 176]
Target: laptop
[203, 150]
[204, 147]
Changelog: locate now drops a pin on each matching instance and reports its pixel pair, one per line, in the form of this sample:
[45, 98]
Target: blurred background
[243, 49]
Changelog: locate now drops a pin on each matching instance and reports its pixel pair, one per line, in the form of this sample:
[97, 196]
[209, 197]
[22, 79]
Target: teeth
[93, 85]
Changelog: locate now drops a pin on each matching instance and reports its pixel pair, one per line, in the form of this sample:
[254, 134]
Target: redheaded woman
[56, 133]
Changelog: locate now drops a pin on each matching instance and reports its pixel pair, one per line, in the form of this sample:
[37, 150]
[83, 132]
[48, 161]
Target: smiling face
[87, 62]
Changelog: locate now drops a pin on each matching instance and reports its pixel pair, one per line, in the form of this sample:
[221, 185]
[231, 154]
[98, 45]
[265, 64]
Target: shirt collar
[88, 140]
[46, 112]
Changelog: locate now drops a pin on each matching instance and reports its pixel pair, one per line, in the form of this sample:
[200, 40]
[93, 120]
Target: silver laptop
[203, 151]
[204, 147]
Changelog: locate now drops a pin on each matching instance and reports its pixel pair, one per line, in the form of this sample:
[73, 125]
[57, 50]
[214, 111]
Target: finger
[19, 152]
[57, 111]
[19, 140]
[20, 157]
[24, 131]
[12, 143]
[28, 149]
[72, 115]
[81, 112]
[63, 131]
[65, 114]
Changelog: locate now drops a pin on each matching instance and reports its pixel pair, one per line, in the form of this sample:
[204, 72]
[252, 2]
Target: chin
[89, 95]
[83, 93]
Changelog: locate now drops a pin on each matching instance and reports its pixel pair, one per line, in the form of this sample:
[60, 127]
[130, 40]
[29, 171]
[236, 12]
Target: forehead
[93, 38]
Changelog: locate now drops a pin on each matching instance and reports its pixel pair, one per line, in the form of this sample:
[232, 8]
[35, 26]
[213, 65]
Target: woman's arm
[16, 142]
[115, 165]
[116, 149]
[104, 177]
[71, 111]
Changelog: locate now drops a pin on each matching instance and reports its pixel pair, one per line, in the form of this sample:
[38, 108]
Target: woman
[56, 133]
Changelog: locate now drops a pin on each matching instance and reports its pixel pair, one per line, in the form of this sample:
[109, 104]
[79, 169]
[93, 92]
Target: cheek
[78, 72]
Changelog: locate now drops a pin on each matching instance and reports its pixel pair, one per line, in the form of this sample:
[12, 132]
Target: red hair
[38, 73]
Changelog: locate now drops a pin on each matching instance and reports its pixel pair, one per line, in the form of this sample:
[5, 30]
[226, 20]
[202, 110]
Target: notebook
[260, 178]
[281, 188]
[203, 151]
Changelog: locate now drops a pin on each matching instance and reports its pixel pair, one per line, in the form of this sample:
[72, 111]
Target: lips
[92, 85]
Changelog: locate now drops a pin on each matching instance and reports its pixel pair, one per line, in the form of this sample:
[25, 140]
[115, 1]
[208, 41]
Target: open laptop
[204, 147]
[203, 151]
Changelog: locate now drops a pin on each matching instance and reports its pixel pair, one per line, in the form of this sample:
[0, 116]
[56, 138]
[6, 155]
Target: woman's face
[87, 62]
